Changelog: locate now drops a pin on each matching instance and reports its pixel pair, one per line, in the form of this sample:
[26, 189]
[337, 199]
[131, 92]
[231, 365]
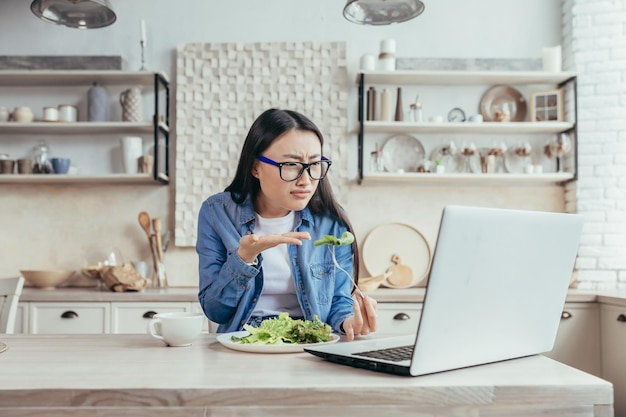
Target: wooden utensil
[401, 275]
[156, 225]
[145, 222]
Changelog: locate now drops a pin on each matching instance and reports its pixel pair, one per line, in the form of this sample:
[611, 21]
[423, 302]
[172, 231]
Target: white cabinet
[613, 333]
[134, 317]
[66, 318]
[44, 317]
[93, 142]
[445, 83]
[398, 318]
[578, 340]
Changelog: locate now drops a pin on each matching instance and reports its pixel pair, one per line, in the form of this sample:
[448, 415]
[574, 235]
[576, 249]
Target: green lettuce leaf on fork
[346, 239]
[285, 330]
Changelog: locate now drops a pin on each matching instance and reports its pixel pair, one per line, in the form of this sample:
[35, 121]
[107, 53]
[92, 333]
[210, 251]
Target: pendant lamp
[382, 12]
[80, 14]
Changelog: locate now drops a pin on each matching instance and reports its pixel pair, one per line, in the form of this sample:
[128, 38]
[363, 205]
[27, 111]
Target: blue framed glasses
[291, 171]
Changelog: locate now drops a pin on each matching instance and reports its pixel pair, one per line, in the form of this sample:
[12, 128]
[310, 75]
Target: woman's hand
[364, 320]
[251, 245]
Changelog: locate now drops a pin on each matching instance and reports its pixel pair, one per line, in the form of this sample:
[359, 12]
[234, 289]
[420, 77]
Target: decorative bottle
[399, 112]
[385, 105]
[416, 111]
[371, 104]
[41, 163]
[97, 103]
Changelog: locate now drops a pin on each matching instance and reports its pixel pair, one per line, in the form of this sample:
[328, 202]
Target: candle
[143, 32]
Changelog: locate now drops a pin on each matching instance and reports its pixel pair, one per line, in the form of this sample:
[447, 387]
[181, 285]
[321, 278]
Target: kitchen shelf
[488, 179]
[79, 179]
[464, 78]
[78, 77]
[93, 128]
[468, 127]
[158, 127]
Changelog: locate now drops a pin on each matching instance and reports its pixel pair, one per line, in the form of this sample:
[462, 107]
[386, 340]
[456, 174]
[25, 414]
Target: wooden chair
[10, 291]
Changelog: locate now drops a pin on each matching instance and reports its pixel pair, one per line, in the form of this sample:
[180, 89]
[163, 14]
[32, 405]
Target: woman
[255, 239]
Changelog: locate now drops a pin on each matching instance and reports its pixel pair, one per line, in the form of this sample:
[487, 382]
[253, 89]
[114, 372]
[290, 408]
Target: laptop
[495, 291]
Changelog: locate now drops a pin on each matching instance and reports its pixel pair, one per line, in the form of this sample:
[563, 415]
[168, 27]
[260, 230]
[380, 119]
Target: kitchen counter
[118, 375]
[190, 294]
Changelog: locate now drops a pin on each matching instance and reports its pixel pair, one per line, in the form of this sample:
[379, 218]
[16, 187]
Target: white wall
[598, 52]
[44, 226]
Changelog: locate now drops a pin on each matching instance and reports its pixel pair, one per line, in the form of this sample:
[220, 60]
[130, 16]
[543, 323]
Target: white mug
[132, 149]
[176, 328]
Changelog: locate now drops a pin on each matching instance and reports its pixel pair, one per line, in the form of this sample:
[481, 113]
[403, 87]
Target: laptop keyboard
[394, 354]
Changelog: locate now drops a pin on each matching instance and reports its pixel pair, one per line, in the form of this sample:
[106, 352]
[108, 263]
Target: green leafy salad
[285, 330]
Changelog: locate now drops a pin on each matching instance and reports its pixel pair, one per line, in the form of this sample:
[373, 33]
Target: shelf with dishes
[79, 127]
[130, 179]
[506, 118]
[462, 77]
[469, 128]
[460, 178]
[68, 84]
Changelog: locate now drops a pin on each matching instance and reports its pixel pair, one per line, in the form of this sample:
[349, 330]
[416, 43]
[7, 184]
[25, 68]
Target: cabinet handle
[566, 315]
[149, 314]
[401, 316]
[69, 315]
[621, 318]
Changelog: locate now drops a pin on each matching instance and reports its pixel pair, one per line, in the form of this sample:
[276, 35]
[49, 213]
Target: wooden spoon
[144, 221]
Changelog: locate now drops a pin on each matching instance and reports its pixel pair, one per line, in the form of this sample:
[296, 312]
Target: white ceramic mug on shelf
[132, 149]
[176, 328]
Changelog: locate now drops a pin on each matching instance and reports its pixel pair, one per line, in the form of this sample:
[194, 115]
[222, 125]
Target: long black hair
[268, 127]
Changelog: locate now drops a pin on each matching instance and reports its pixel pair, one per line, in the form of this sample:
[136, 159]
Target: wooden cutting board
[400, 275]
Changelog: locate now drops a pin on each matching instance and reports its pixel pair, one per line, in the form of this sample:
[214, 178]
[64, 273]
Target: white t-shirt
[279, 290]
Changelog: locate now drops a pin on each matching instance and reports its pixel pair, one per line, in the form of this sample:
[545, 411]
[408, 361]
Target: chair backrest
[10, 291]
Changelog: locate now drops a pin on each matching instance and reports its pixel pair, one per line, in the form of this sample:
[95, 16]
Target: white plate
[402, 153]
[224, 339]
[400, 239]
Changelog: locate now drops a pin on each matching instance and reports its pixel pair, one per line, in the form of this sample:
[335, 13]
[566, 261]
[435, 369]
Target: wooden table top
[137, 373]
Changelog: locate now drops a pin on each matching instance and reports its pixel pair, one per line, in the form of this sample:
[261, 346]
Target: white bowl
[46, 279]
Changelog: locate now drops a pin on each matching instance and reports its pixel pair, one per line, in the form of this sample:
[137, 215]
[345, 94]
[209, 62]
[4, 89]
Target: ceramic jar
[97, 104]
[132, 105]
[5, 114]
[68, 113]
[22, 115]
[50, 114]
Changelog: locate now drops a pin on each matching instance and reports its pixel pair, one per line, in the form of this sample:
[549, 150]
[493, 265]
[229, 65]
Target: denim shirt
[229, 288]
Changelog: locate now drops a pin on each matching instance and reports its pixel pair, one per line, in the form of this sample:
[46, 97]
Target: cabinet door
[398, 318]
[69, 317]
[21, 320]
[134, 317]
[613, 358]
[578, 340]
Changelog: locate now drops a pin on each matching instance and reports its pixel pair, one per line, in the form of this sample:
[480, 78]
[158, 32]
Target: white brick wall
[594, 45]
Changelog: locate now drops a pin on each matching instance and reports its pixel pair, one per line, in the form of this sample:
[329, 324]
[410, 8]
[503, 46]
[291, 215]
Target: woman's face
[277, 197]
